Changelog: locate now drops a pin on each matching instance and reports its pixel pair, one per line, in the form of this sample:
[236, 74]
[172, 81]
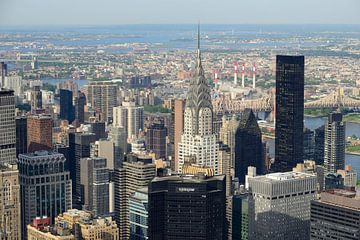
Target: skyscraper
[198, 142]
[319, 140]
[179, 107]
[156, 139]
[36, 98]
[79, 105]
[138, 208]
[66, 105]
[279, 205]
[45, 185]
[289, 112]
[3, 73]
[102, 97]
[335, 216]
[248, 145]
[136, 172]
[94, 179]
[7, 126]
[187, 208]
[118, 136]
[21, 135]
[10, 210]
[130, 117]
[308, 145]
[334, 146]
[39, 132]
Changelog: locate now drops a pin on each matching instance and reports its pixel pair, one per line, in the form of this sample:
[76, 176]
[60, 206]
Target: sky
[116, 12]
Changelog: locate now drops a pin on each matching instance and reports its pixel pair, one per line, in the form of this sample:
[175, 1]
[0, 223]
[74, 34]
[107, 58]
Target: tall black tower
[289, 112]
[66, 105]
[248, 145]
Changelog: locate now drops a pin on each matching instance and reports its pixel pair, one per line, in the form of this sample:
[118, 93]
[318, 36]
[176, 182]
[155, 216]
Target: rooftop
[285, 176]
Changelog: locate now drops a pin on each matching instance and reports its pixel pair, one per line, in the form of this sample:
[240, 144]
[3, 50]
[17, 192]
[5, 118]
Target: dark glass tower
[21, 135]
[156, 139]
[79, 104]
[66, 105]
[187, 208]
[248, 145]
[289, 112]
[319, 145]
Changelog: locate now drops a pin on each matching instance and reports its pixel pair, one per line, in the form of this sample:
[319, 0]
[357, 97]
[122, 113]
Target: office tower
[104, 148]
[248, 146]
[136, 172]
[79, 144]
[227, 134]
[130, 117]
[79, 106]
[179, 108]
[45, 185]
[118, 136]
[335, 216]
[308, 153]
[334, 146]
[240, 218]
[138, 207]
[319, 139]
[102, 97]
[14, 83]
[289, 112]
[349, 175]
[333, 181]
[10, 211]
[310, 167]
[156, 139]
[73, 225]
[3, 73]
[7, 127]
[66, 105]
[21, 135]
[279, 205]
[187, 208]
[39, 132]
[198, 142]
[36, 98]
[95, 182]
[99, 129]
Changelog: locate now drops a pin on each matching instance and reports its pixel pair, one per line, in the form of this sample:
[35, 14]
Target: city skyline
[111, 12]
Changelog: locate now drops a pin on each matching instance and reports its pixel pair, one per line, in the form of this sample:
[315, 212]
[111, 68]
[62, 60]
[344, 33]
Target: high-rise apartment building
[198, 142]
[227, 134]
[187, 208]
[7, 126]
[66, 105]
[335, 216]
[156, 140]
[248, 146]
[45, 185]
[36, 98]
[14, 83]
[138, 218]
[102, 97]
[79, 106]
[289, 112]
[39, 132]
[95, 182]
[10, 210]
[104, 148]
[118, 136]
[136, 172]
[279, 205]
[334, 146]
[130, 117]
[179, 108]
[21, 135]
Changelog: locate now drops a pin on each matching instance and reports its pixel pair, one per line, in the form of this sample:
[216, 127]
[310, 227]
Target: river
[315, 122]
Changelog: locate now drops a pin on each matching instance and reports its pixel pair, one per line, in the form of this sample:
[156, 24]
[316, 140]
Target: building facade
[66, 105]
[156, 140]
[39, 132]
[138, 218]
[45, 185]
[279, 205]
[187, 208]
[289, 122]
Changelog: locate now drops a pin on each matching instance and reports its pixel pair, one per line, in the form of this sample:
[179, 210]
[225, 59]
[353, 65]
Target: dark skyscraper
[248, 146]
[319, 145]
[21, 135]
[156, 139]
[289, 112]
[187, 208]
[66, 105]
[79, 104]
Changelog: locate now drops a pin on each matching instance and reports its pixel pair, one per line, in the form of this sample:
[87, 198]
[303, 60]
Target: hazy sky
[98, 12]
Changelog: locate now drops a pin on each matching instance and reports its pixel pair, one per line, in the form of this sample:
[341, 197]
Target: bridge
[337, 99]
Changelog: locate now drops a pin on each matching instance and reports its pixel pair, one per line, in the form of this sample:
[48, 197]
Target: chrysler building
[198, 143]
